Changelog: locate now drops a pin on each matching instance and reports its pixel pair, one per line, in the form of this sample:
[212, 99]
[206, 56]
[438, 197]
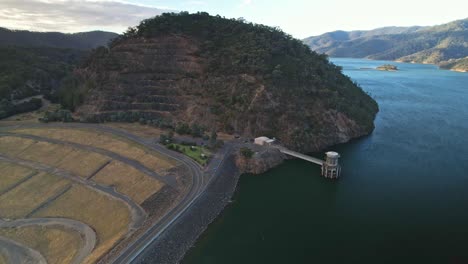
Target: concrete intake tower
[330, 168]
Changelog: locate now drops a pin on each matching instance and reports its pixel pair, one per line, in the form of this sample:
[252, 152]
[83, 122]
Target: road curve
[87, 233]
[134, 249]
[18, 253]
[138, 213]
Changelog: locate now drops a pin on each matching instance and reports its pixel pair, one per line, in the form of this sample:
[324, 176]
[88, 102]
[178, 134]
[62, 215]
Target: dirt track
[18, 253]
[87, 233]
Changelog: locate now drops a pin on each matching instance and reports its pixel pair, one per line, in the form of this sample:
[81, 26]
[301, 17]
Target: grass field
[57, 244]
[13, 145]
[127, 180]
[45, 152]
[199, 154]
[3, 259]
[11, 174]
[143, 131]
[110, 218]
[82, 163]
[107, 141]
[20, 201]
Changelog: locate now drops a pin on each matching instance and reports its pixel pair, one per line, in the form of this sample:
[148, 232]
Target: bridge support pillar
[330, 168]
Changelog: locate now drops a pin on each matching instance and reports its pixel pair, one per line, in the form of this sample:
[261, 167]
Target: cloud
[196, 3]
[73, 15]
[246, 3]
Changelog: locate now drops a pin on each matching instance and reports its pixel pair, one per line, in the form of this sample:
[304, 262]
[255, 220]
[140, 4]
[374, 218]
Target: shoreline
[409, 62]
[177, 240]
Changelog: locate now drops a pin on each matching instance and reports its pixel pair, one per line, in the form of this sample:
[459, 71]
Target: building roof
[332, 154]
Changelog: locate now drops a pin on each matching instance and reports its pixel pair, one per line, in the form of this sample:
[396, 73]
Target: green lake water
[402, 198]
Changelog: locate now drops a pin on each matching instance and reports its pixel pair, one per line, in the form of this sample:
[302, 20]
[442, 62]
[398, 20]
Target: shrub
[246, 152]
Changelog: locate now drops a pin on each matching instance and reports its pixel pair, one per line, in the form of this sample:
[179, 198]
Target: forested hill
[203, 71]
[83, 41]
[35, 63]
[437, 45]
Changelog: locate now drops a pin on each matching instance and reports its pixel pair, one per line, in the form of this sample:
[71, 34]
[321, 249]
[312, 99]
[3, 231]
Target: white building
[262, 141]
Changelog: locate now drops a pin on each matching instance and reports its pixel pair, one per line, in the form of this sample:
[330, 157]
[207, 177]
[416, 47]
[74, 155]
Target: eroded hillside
[221, 74]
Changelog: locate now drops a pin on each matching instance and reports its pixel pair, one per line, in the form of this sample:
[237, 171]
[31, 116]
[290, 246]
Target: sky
[300, 18]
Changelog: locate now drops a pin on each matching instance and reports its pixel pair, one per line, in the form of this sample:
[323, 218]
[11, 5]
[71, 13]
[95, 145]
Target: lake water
[402, 198]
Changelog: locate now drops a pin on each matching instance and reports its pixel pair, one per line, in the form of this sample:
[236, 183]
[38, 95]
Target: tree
[182, 129]
[213, 137]
[246, 152]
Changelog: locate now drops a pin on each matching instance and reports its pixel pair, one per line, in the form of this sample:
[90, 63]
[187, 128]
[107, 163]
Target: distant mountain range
[33, 63]
[445, 45]
[82, 41]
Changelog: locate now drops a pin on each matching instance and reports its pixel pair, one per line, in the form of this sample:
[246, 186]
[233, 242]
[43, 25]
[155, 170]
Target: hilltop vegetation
[435, 45]
[26, 72]
[222, 74]
[81, 41]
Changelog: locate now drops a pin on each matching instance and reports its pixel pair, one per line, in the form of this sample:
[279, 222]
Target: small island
[387, 67]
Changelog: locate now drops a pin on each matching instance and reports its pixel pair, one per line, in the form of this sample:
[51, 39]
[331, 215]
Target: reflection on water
[403, 197]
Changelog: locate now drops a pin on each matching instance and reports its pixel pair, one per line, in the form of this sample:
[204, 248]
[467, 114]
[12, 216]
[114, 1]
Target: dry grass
[110, 218]
[82, 163]
[11, 174]
[13, 145]
[3, 259]
[129, 181]
[56, 244]
[143, 131]
[20, 201]
[45, 152]
[107, 141]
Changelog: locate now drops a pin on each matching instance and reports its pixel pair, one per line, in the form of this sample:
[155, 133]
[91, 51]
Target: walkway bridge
[301, 156]
[330, 167]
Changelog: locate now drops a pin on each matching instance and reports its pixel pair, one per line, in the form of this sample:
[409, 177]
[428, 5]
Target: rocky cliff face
[263, 160]
[255, 82]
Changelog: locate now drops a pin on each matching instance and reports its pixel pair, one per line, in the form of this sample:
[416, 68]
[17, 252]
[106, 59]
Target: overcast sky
[300, 18]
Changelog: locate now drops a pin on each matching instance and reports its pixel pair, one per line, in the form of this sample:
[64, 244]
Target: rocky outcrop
[263, 159]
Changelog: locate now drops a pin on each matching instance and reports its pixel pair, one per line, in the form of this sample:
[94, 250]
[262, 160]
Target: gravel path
[87, 233]
[177, 240]
[18, 253]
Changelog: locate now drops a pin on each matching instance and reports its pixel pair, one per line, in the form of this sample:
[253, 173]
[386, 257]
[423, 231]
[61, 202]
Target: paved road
[134, 249]
[87, 233]
[138, 214]
[18, 253]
